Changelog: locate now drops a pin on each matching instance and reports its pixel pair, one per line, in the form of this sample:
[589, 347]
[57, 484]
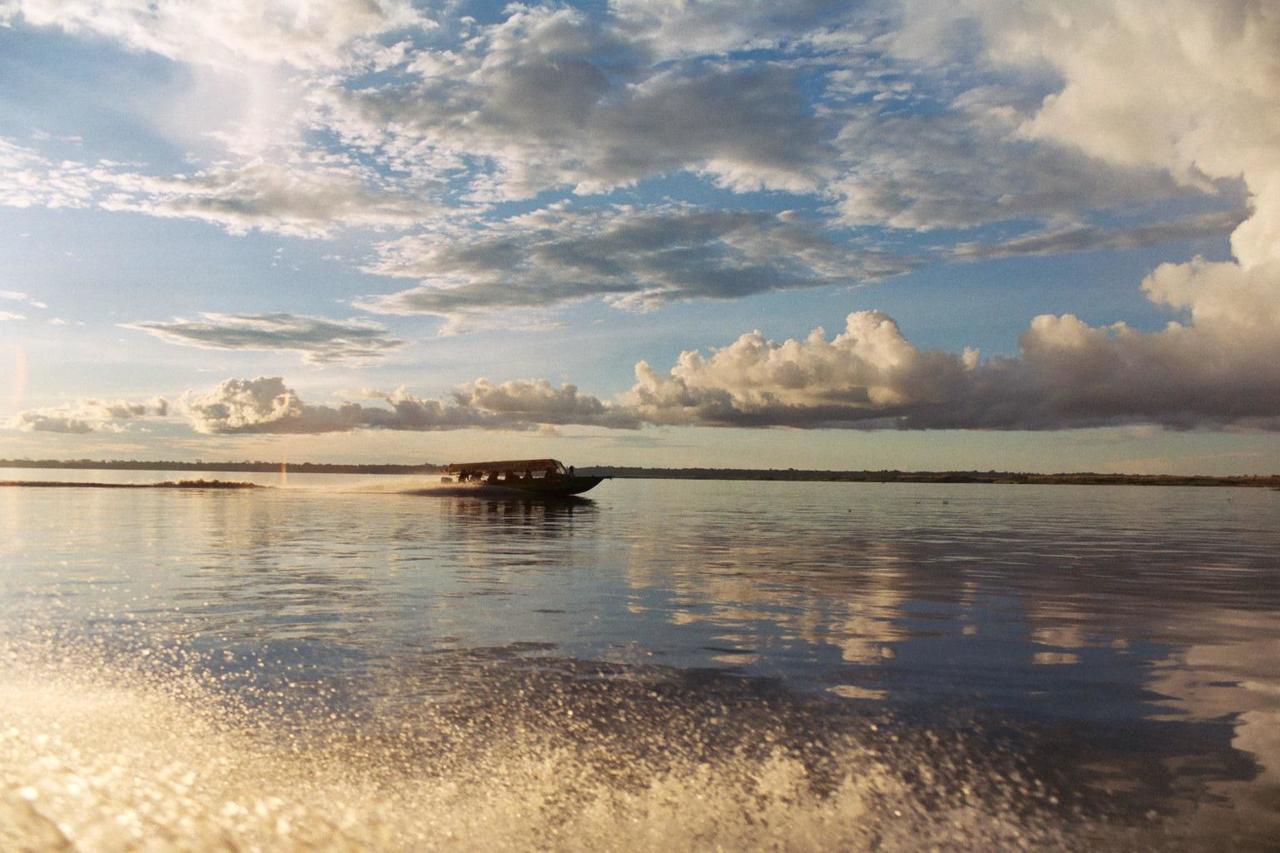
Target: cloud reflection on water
[1130, 627]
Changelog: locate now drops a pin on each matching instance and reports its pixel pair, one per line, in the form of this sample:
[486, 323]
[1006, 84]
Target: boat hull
[549, 487]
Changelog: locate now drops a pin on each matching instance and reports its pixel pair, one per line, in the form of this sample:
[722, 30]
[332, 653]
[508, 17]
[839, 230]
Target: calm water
[343, 663]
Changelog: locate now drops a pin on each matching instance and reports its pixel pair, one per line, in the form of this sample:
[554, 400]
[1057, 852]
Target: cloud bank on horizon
[764, 149]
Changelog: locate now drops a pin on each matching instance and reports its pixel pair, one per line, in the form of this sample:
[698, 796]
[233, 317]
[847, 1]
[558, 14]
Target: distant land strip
[779, 474]
[168, 484]
[258, 467]
[993, 477]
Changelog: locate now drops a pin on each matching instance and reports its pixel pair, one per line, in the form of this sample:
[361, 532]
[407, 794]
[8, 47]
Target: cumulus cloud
[1179, 86]
[319, 340]
[1219, 367]
[88, 415]
[267, 405]
[1188, 88]
[627, 256]
[1222, 369]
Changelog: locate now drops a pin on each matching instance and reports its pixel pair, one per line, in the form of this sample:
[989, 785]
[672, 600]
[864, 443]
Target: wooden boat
[533, 477]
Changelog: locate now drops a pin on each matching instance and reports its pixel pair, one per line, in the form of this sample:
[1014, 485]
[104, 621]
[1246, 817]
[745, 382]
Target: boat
[531, 477]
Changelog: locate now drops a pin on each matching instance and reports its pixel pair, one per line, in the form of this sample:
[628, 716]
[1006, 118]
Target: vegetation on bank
[994, 477]
[200, 465]
[168, 484]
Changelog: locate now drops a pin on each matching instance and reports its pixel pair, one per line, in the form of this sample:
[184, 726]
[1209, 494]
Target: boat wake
[94, 755]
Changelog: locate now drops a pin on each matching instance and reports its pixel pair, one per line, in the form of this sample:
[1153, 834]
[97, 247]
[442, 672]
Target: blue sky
[1034, 235]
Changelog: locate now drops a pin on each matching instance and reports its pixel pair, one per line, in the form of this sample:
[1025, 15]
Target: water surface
[814, 665]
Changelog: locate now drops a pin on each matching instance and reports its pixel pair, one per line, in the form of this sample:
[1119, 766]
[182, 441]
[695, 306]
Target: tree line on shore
[632, 472]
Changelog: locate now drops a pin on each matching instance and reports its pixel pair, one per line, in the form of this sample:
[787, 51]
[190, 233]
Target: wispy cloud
[317, 339]
[301, 195]
[626, 256]
[306, 34]
[20, 297]
[1087, 238]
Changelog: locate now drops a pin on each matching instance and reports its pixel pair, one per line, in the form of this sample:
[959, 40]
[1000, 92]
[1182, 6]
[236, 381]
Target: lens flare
[19, 389]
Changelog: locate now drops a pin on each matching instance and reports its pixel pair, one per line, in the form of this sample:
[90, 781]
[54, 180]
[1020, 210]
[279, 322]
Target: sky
[986, 234]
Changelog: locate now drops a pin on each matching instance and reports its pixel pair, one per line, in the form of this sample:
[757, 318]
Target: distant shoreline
[621, 472]
[979, 477]
[247, 467]
[168, 484]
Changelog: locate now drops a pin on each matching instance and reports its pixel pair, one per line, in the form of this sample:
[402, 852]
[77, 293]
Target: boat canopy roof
[508, 465]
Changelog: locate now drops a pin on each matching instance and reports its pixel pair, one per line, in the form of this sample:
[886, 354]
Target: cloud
[319, 340]
[964, 163]
[1088, 238]
[554, 98]
[1175, 85]
[88, 416]
[300, 195]
[301, 33]
[907, 115]
[24, 298]
[1188, 88]
[267, 405]
[10, 315]
[308, 199]
[626, 256]
[28, 179]
[1217, 368]
[538, 401]
[673, 28]
[1222, 369]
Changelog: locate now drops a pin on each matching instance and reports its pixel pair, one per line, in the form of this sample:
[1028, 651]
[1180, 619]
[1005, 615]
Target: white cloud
[1178, 85]
[674, 28]
[298, 199]
[267, 405]
[28, 179]
[1189, 88]
[966, 162]
[88, 416]
[319, 340]
[624, 255]
[24, 298]
[552, 97]
[1221, 369]
[301, 33]
[300, 194]
[889, 126]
